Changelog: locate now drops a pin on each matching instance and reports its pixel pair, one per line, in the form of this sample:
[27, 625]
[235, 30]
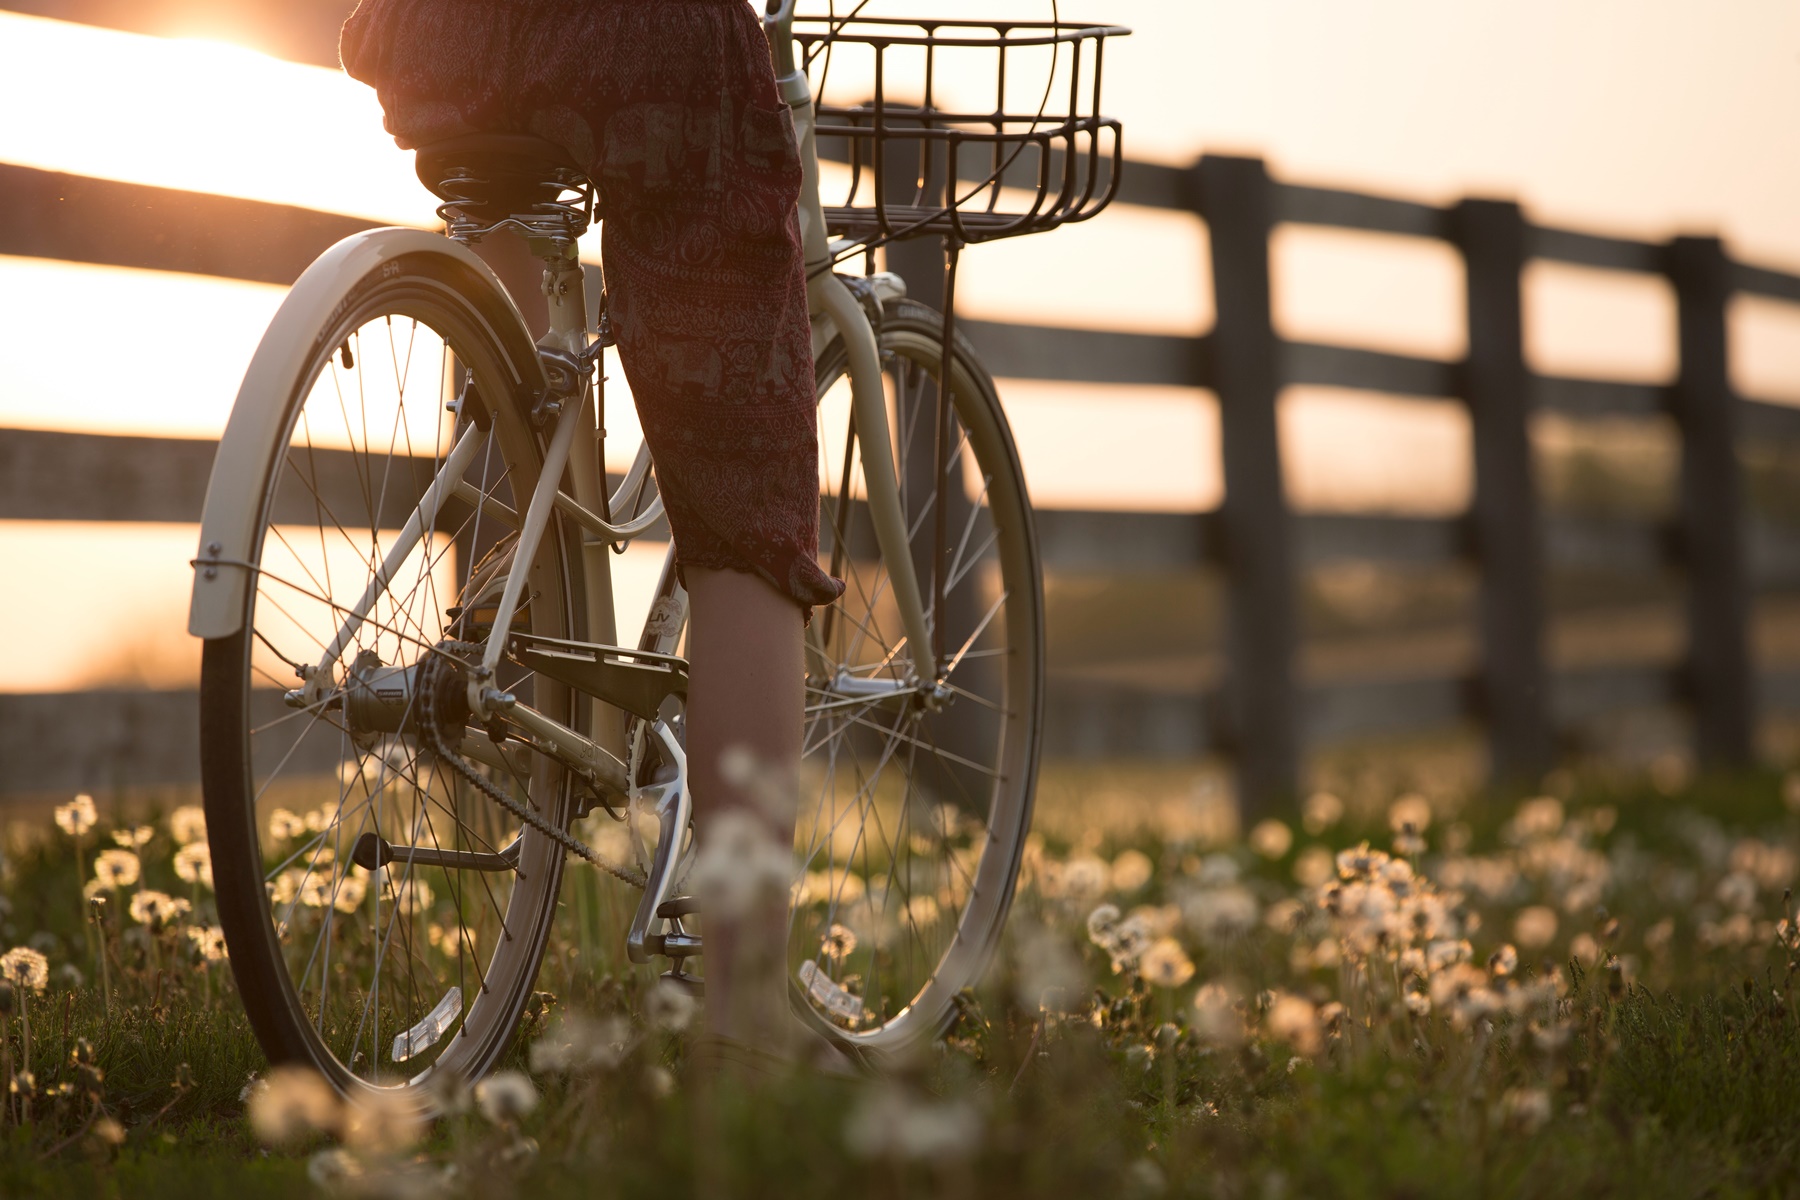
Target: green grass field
[1581, 993]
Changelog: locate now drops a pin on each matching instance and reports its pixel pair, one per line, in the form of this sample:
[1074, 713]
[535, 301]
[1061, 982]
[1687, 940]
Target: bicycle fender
[266, 398]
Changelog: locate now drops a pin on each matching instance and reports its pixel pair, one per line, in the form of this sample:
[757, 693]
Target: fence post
[1719, 677]
[1504, 516]
[1237, 200]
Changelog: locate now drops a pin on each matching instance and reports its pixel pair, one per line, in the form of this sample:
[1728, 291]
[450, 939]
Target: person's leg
[745, 696]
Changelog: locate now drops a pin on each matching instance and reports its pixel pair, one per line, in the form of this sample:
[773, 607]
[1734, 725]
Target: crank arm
[674, 810]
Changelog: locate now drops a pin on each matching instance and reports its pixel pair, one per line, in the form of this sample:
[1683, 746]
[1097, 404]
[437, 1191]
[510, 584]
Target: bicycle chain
[429, 681]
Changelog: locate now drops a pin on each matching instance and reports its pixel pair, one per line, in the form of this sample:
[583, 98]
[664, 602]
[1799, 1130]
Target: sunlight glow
[201, 116]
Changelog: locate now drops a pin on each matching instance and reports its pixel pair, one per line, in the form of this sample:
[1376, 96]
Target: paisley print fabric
[671, 105]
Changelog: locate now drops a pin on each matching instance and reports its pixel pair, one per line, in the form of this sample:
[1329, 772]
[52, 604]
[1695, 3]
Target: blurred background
[1639, 119]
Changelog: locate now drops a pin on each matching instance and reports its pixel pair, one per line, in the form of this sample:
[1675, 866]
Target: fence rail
[1257, 711]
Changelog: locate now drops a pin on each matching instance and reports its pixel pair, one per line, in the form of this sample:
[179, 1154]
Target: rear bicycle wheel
[385, 920]
[914, 807]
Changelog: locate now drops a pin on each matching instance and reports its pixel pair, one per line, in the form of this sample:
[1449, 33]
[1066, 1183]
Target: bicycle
[413, 699]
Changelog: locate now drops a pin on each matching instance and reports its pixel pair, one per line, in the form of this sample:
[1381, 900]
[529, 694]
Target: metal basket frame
[919, 169]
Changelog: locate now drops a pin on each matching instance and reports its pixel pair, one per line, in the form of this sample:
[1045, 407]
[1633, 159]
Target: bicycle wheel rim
[887, 928]
[425, 933]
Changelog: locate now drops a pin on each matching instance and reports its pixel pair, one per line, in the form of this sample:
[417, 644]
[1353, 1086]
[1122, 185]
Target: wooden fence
[1260, 716]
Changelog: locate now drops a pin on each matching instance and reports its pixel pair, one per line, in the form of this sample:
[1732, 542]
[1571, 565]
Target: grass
[1263, 1035]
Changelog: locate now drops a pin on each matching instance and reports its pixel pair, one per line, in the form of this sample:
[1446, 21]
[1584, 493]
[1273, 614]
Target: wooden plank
[1595, 250]
[1237, 201]
[1504, 515]
[1578, 697]
[1354, 210]
[46, 214]
[48, 475]
[1310, 363]
[1376, 708]
[1326, 538]
[94, 741]
[1085, 721]
[1598, 397]
[1768, 420]
[1609, 545]
[1078, 541]
[1764, 281]
[1088, 356]
[1712, 508]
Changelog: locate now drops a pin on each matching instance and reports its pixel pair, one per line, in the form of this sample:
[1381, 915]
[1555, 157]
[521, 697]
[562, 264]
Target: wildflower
[892, 1123]
[1130, 938]
[1737, 890]
[1535, 927]
[1271, 838]
[922, 911]
[284, 825]
[25, 968]
[134, 839]
[1294, 1020]
[1503, 962]
[659, 1081]
[1539, 817]
[334, 1170]
[1314, 867]
[1165, 964]
[290, 1104]
[413, 897]
[156, 909]
[1049, 977]
[670, 1007]
[351, 889]
[1221, 914]
[575, 1044]
[1216, 1018]
[741, 866]
[114, 869]
[1321, 811]
[1131, 871]
[187, 824]
[1411, 811]
[208, 941]
[1658, 936]
[109, 1132]
[1525, 1109]
[77, 816]
[1361, 863]
[382, 1120]
[1084, 878]
[1101, 923]
[838, 943]
[193, 864]
[505, 1097]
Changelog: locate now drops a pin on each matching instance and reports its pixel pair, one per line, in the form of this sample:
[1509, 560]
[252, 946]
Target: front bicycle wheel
[385, 919]
[916, 800]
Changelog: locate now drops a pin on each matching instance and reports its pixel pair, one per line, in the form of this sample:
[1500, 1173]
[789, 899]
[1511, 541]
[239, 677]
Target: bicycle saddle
[496, 174]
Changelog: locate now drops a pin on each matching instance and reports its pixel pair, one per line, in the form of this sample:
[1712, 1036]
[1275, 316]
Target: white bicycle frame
[258, 424]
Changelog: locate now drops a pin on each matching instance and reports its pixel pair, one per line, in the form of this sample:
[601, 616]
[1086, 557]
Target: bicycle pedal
[676, 907]
[686, 983]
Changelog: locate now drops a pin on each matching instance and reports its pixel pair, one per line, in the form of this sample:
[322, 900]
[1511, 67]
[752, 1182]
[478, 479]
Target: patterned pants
[672, 107]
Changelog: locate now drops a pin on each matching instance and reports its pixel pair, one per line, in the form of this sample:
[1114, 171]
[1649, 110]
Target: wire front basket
[969, 130]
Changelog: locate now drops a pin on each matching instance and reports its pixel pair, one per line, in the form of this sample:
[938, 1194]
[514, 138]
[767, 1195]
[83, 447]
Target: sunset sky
[1639, 117]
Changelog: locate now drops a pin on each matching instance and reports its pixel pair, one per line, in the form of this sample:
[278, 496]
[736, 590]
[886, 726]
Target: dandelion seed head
[1535, 927]
[187, 824]
[1165, 964]
[1271, 838]
[1294, 1020]
[575, 1044]
[156, 909]
[26, 969]
[891, 1123]
[292, 1103]
[208, 942]
[671, 1007]
[134, 839]
[1525, 1109]
[1131, 870]
[838, 943]
[1411, 812]
[740, 865]
[1321, 811]
[115, 869]
[285, 825]
[193, 864]
[77, 817]
[1314, 867]
[505, 1097]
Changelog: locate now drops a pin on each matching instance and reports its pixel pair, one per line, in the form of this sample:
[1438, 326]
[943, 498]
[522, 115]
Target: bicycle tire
[326, 983]
[894, 987]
